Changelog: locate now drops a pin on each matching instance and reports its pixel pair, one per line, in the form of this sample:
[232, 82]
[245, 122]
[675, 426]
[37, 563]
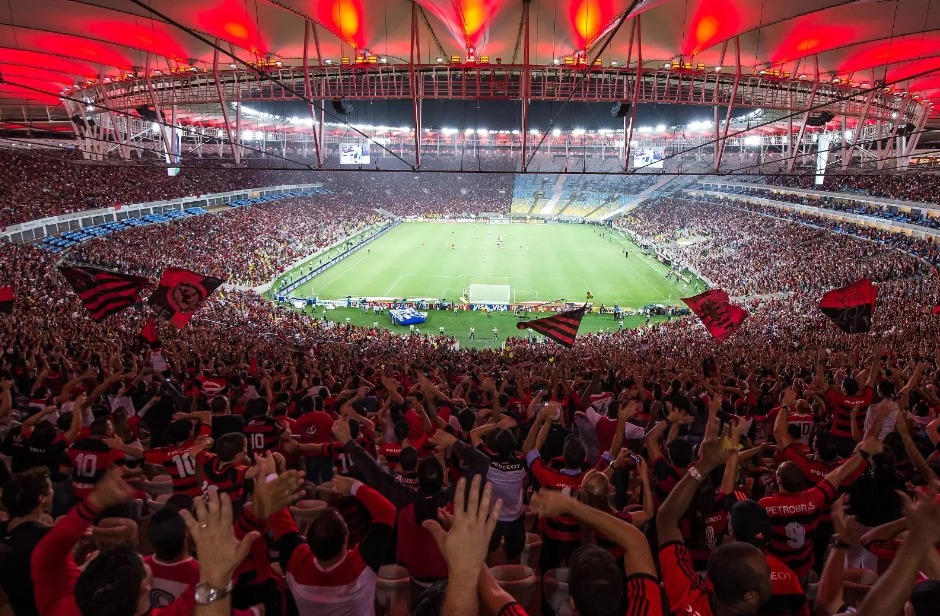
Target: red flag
[180, 294]
[851, 308]
[718, 314]
[561, 327]
[253, 365]
[936, 309]
[6, 300]
[149, 333]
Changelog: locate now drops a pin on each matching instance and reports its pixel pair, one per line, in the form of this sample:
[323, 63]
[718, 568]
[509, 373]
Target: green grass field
[539, 262]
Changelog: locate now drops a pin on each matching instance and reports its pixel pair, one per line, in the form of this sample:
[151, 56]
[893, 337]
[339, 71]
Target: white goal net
[489, 294]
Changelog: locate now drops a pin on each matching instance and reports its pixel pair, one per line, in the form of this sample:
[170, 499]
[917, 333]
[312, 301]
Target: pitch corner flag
[717, 313]
[851, 308]
[561, 327]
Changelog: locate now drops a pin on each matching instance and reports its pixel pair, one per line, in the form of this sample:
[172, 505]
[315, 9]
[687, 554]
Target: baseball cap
[750, 523]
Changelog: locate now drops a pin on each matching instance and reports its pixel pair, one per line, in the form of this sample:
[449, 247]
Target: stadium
[594, 307]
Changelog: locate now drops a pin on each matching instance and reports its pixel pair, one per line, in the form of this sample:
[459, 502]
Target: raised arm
[637, 557]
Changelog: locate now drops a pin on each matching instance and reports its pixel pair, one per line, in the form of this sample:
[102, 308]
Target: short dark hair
[110, 584]
[430, 475]
[791, 477]
[680, 452]
[99, 427]
[167, 533]
[731, 573]
[408, 458]
[179, 431]
[230, 445]
[219, 405]
[327, 534]
[574, 452]
[826, 446]
[467, 419]
[505, 443]
[595, 582]
[431, 600]
[402, 430]
[22, 494]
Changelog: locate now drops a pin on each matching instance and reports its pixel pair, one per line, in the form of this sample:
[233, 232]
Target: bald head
[790, 477]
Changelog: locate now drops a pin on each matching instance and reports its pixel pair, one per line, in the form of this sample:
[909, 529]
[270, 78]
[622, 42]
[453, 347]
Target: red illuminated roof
[48, 45]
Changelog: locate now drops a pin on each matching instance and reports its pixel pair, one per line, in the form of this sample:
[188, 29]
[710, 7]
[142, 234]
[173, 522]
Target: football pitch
[540, 262]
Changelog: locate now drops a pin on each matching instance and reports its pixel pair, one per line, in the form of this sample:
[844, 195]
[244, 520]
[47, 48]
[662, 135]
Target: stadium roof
[47, 45]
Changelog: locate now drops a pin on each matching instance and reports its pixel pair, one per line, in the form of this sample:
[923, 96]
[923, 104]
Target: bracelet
[696, 475]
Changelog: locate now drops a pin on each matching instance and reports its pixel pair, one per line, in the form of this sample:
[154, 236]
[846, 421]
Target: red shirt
[179, 464]
[686, 591]
[841, 405]
[563, 528]
[793, 521]
[90, 459]
[264, 433]
[315, 427]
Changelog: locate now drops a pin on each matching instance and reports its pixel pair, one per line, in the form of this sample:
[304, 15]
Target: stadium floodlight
[614, 63]
[660, 128]
[515, 131]
[440, 60]
[752, 140]
[556, 61]
[482, 131]
[667, 65]
[645, 129]
[556, 132]
[717, 69]
[469, 131]
[815, 137]
[154, 127]
[577, 132]
[328, 61]
[405, 129]
[534, 131]
[849, 134]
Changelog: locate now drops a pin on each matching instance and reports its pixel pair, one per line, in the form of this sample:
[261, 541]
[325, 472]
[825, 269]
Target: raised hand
[211, 529]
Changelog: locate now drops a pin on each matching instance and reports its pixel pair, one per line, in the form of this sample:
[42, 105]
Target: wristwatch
[206, 594]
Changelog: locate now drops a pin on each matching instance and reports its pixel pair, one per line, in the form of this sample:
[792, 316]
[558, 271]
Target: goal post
[490, 294]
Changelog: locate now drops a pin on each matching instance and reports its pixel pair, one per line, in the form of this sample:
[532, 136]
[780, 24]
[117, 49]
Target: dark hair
[327, 534]
[167, 533]
[795, 431]
[886, 389]
[731, 573]
[43, 434]
[408, 458]
[22, 494]
[179, 431]
[850, 386]
[467, 419]
[430, 475]
[402, 430]
[574, 452]
[595, 582]
[431, 600]
[110, 584]
[230, 445]
[827, 447]
[219, 405]
[680, 452]
[99, 427]
[505, 443]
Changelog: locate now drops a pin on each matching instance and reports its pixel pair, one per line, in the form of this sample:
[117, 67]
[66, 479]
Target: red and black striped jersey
[686, 591]
[90, 459]
[264, 433]
[563, 528]
[841, 405]
[228, 478]
[794, 518]
[667, 476]
[179, 463]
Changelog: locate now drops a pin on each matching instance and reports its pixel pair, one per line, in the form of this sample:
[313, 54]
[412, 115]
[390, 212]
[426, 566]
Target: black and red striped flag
[851, 308]
[104, 293]
[561, 327]
[6, 300]
[718, 314]
[180, 294]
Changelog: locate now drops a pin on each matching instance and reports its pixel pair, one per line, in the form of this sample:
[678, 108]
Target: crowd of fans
[849, 206]
[918, 187]
[246, 246]
[747, 253]
[302, 459]
[34, 185]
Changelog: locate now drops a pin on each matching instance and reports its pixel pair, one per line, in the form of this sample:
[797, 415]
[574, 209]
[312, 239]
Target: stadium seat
[518, 580]
[532, 550]
[393, 591]
[555, 590]
[305, 512]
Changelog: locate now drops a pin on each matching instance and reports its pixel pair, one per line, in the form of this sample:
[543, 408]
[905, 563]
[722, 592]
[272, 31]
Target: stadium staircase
[557, 193]
[656, 190]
